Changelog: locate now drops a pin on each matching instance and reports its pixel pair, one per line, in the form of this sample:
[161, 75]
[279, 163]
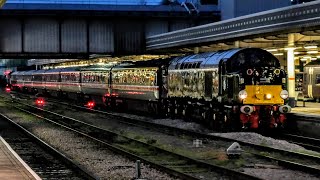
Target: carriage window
[318, 79]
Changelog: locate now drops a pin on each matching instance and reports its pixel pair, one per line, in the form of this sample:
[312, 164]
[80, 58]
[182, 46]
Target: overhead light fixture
[303, 59]
[272, 50]
[314, 58]
[312, 52]
[278, 54]
[296, 53]
[310, 46]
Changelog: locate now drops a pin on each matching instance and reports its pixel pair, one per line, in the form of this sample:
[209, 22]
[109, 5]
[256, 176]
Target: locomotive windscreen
[251, 57]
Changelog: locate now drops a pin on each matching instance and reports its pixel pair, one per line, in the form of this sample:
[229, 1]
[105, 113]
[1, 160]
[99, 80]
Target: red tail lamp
[8, 89]
[40, 101]
[90, 104]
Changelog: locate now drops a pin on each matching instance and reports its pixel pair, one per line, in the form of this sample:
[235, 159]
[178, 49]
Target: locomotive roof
[234, 58]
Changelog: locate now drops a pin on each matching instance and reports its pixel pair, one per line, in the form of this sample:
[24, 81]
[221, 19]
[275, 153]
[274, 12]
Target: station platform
[307, 109]
[12, 167]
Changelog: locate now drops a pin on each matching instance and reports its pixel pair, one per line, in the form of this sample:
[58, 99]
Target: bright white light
[268, 96]
[310, 46]
[272, 50]
[278, 54]
[312, 52]
[284, 94]
[243, 94]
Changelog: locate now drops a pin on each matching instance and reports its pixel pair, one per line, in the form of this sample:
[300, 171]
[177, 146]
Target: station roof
[268, 30]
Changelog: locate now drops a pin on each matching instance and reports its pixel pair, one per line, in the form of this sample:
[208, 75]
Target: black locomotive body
[232, 88]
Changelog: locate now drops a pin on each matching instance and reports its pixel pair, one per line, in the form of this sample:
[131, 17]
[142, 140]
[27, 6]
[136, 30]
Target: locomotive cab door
[229, 83]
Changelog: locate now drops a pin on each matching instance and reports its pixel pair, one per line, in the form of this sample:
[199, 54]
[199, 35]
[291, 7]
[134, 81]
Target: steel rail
[96, 133]
[79, 169]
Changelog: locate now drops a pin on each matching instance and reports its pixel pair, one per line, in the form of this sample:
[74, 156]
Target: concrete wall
[235, 8]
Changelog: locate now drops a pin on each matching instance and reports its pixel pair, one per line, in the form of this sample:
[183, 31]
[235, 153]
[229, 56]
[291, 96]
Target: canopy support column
[291, 70]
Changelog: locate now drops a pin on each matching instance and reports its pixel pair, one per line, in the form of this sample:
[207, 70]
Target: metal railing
[107, 2]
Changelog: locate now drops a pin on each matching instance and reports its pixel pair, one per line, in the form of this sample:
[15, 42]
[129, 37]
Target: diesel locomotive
[236, 88]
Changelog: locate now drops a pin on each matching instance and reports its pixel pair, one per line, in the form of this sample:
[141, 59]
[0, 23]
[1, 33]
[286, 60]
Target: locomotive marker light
[243, 94]
[284, 94]
[277, 72]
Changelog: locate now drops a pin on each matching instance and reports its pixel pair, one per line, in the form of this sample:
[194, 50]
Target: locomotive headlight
[243, 94]
[268, 96]
[276, 72]
[284, 94]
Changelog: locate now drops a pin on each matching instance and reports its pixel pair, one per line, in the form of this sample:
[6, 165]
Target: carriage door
[163, 81]
[208, 84]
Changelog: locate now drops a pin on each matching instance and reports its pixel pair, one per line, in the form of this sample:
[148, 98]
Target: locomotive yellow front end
[262, 90]
[263, 105]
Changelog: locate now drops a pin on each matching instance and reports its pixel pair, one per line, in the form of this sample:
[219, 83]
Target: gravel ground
[185, 146]
[265, 171]
[102, 162]
[249, 137]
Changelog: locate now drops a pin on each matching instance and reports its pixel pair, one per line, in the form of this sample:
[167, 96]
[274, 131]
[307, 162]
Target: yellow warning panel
[263, 94]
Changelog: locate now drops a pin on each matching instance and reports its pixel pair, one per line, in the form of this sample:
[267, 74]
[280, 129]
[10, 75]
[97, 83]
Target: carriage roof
[142, 64]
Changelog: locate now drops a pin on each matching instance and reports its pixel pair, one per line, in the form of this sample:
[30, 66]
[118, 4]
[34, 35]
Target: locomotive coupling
[285, 109]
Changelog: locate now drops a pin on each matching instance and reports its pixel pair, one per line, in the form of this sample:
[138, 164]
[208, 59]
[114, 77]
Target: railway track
[46, 161]
[256, 150]
[172, 163]
[307, 142]
[307, 167]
